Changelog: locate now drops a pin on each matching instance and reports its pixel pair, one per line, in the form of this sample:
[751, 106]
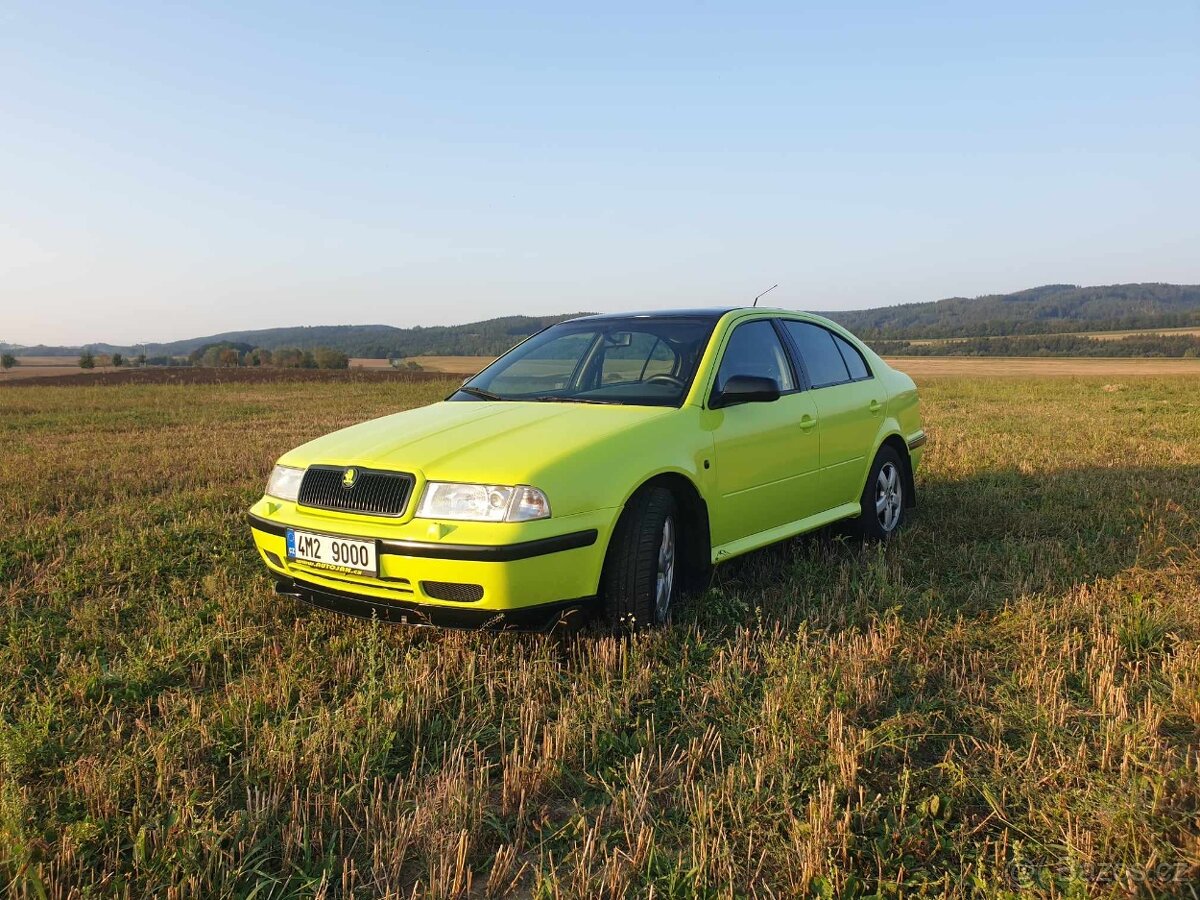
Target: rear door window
[854, 360]
[820, 354]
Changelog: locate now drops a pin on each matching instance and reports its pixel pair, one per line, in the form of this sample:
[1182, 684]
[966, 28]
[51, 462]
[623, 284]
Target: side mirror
[746, 389]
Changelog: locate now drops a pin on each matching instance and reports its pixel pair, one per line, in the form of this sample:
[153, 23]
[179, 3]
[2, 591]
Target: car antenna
[763, 294]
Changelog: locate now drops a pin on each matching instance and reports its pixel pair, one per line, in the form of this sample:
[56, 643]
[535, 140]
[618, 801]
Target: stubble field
[1003, 701]
[47, 367]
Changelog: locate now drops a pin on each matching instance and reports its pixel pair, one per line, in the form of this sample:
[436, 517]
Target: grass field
[1043, 366]
[45, 366]
[1098, 335]
[454, 365]
[460, 366]
[1004, 701]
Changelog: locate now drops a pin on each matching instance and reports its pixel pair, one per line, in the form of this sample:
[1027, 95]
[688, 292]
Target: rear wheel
[883, 500]
[640, 579]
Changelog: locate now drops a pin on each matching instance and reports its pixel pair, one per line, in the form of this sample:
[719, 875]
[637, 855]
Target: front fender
[606, 473]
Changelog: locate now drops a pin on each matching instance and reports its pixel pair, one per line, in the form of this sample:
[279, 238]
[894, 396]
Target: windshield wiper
[480, 393]
[549, 398]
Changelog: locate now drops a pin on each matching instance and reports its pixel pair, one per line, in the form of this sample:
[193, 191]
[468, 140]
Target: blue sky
[169, 170]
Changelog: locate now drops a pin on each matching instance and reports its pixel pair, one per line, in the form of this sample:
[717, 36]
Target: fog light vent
[453, 591]
[273, 558]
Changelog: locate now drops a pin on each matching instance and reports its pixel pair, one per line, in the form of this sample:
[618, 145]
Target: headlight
[482, 502]
[284, 482]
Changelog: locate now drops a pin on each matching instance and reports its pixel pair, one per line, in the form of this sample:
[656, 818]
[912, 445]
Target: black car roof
[712, 313]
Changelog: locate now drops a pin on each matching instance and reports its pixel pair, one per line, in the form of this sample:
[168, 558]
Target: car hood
[504, 442]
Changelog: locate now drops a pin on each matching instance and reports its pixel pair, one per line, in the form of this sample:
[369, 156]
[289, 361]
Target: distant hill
[488, 338]
[1050, 309]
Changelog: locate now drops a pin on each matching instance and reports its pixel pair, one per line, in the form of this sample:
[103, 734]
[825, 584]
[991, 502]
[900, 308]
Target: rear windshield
[642, 360]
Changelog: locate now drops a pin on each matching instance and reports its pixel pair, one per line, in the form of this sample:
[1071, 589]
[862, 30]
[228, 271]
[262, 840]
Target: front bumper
[484, 576]
[541, 617]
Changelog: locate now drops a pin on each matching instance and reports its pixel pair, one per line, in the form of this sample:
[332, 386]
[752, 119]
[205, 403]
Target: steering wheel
[669, 379]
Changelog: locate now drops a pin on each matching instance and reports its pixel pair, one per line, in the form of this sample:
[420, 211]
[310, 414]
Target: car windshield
[642, 361]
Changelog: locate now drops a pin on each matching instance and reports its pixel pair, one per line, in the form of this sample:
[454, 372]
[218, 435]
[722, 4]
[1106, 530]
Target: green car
[597, 469]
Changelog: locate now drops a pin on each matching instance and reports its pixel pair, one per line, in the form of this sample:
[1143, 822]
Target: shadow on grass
[968, 547]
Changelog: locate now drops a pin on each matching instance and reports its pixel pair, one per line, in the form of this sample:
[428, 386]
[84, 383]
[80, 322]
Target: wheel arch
[695, 533]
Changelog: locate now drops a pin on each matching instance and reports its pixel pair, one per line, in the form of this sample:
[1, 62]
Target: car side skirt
[728, 551]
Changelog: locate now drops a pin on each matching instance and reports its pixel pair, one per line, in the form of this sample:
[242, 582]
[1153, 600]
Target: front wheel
[883, 499]
[640, 579]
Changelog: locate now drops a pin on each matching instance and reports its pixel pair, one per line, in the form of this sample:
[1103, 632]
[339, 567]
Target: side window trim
[866, 365]
[791, 363]
[799, 369]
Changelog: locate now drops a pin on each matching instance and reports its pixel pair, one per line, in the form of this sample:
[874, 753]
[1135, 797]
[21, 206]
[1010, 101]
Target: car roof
[712, 313]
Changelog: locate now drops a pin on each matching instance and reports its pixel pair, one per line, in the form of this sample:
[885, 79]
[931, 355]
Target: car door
[850, 402]
[767, 454]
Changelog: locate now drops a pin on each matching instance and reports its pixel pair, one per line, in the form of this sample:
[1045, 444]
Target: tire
[641, 572]
[883, 498]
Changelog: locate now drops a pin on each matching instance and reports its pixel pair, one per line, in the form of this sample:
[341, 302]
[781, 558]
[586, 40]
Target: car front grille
[369, 492]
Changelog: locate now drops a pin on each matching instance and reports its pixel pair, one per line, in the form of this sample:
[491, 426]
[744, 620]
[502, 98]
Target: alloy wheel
[889, 497]
[665, 580]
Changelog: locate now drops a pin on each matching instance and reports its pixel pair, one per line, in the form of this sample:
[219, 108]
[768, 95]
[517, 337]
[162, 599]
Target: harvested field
[1004, 701]
[183, 375]
[1097, 335]
[48, 367]
[1042, 366]
[438, 367]
[455, 365]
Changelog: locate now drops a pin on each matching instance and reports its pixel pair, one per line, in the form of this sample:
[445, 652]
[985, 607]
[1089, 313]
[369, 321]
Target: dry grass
[1042, 367]
[1138, 332]
[917, 366]
[454, 365]
[45, 366]
[1005, 701]
[1098, 335]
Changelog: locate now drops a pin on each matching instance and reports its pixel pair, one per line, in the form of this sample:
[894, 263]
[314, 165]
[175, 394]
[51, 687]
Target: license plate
[331, 552]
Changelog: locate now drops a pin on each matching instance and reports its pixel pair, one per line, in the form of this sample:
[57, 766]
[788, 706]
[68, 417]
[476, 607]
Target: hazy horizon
[170, 173]
[284, 325]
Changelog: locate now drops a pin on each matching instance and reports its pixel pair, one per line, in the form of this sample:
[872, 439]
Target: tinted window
[546, 367]
[754, 349]
[854, 361]
[643, 356]
[820, 354]
[644, 360]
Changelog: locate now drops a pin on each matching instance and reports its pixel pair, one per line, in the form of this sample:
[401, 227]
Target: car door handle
[807, 422]
[875, 407]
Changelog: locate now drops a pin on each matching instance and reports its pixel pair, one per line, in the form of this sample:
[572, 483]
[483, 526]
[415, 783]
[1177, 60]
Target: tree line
[1147, 345]
[227, 355]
